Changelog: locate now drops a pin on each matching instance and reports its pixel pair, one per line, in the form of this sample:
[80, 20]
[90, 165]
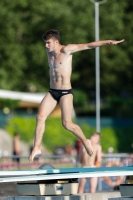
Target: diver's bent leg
[76, 130]
[66, 105]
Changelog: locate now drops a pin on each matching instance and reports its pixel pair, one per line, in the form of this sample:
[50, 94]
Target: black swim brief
[57, 94]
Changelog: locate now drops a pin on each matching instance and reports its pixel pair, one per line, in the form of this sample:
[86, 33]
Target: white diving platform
[63, 173]
[64, 181]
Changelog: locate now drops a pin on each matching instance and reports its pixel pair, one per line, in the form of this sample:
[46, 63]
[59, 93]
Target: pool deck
[84, 196]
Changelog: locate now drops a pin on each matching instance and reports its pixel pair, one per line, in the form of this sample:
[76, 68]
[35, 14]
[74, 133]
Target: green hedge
[55, 135]
[9, 103]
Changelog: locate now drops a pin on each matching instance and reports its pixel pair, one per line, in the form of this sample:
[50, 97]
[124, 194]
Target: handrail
[71, 158]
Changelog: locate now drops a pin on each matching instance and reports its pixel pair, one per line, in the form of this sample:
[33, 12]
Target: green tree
[22, 51]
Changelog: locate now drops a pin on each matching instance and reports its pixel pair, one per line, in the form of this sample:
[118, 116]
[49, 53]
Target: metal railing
[21, 162]
[60, 160]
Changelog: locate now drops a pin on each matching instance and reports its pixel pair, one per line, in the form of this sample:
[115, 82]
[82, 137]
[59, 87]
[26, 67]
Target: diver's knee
[67, 125]
[40, 117]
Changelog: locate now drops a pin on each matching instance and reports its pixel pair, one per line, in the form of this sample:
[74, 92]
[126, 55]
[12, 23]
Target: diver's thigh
[47, 105]
[66, 106]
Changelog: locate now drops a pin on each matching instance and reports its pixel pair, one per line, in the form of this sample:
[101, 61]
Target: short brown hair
[52, 33]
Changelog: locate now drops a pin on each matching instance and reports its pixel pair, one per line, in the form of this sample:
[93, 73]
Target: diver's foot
[35, 152]
[88, 147]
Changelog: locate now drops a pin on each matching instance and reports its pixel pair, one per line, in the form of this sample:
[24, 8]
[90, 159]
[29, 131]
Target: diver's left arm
[72, 48]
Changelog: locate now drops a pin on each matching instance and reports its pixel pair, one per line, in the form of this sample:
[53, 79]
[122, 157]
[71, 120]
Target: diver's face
[50, 44]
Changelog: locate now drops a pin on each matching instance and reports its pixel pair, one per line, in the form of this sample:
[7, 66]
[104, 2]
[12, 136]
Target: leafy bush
[9, 103]
[80, 98]
[55, 135]
[23, 125]
[121, 105]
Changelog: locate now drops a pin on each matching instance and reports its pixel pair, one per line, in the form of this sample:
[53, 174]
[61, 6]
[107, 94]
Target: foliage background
[23, 62]
[55, 135]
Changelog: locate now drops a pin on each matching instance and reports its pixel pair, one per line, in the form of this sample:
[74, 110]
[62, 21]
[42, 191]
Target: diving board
[65, 173]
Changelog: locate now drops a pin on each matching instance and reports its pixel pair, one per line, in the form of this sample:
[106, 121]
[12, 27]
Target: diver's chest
[57, 61]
